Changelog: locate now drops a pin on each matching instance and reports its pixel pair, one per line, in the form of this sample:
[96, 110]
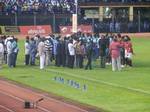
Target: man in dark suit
[102, 48]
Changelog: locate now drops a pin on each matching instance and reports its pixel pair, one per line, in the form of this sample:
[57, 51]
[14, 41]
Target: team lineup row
[70, 51]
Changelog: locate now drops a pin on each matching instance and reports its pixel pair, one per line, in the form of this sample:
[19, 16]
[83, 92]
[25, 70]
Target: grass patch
[125, 91]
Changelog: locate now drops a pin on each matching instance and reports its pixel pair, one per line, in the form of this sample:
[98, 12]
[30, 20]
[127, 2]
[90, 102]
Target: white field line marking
[102, 82]
[6, 108]
[41, 95]
[17, 98]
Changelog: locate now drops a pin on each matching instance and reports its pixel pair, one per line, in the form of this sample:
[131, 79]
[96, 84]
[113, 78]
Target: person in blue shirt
[33, 51]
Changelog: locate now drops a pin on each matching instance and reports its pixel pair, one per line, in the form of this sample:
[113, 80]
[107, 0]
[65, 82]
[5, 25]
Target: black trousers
[58, 60]
[71, 61]
[128, 62]
[64, 60]
[81, 61]
[27, 59]
[89, 63]
[5, 57]
[103, 61]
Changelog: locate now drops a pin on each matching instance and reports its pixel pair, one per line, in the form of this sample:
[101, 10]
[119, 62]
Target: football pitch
[125, 91]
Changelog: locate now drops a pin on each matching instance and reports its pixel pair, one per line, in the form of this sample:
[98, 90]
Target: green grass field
[125, 91]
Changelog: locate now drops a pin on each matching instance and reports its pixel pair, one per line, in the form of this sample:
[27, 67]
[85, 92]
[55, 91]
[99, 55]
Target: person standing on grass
[78, 53]
[9, 51]
[122, 50]
[15, 51]
[5, 49]
[33, 51]
[89, 52]
[49, 48]
[115, 54]
[58, 53]
[1, 53]
[102, 48]
[128, 51]
[41, 51]
[71, 49]
[82, 54]
[27, 51]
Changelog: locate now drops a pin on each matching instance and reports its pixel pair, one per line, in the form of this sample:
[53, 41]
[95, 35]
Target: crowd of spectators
[123, 1]
[40, 6]
[48, 6]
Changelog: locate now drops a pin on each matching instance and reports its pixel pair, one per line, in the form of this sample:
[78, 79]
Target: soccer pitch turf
[125, 91]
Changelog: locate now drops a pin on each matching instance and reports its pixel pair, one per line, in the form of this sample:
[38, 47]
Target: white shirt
[41, 48]
[27, 48]
[1, 48]
[9, 47]
[71, 49]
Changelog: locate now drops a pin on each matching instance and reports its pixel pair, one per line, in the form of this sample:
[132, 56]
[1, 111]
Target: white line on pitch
[17, 98]
[6, 108]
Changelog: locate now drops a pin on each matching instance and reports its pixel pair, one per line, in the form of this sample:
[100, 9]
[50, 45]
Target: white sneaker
[107, 63]
[122, 66]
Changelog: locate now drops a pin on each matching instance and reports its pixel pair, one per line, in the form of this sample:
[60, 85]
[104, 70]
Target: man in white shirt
[1, 54]
[71, 49]
[9, 52]
[41, 51]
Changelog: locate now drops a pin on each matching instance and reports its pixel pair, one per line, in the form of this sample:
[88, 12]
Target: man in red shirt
[115, 54]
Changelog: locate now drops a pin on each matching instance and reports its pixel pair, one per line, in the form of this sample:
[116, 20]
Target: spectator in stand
[31, 6]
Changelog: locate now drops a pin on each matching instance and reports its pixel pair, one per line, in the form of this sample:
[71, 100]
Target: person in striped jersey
[48, 50]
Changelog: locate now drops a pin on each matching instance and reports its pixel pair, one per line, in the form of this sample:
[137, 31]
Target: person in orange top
[128, 51]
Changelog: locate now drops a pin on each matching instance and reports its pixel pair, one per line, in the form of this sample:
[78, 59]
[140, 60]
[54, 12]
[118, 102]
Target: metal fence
[140, 24]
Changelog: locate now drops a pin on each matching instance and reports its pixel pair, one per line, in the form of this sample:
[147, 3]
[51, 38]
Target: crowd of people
[40, 6]
[48, 6]
[77, 50]
[8, 50]
[123, 1]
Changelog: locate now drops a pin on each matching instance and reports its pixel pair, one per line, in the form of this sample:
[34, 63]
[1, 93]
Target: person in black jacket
[102, 48]
[89, 52]
[58, 54]
[63, 53]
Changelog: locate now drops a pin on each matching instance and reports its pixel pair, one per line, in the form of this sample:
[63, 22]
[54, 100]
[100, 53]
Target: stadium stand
[104, 15]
